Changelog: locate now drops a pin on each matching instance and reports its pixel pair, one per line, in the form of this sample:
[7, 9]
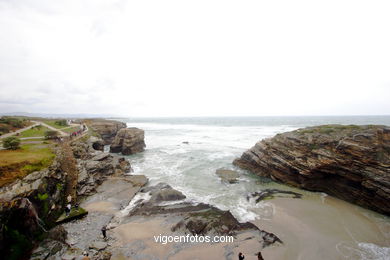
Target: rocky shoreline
[102, 184]
[349, 162]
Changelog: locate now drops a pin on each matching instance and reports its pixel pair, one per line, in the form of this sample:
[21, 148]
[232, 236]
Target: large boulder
[107, 129]
[128, 141]
[349, 162]
[163, 192]
[226, 175]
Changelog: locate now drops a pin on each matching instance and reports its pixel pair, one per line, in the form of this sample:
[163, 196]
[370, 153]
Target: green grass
[327, 129]
[71, 129]
[72, 215]
[34, 132]
[19, 163]
[53, 123]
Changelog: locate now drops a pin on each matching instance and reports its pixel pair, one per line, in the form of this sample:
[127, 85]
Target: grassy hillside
[34, 131]
[18, 163]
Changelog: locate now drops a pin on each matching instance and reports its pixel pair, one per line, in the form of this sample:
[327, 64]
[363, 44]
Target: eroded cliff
[348, 162]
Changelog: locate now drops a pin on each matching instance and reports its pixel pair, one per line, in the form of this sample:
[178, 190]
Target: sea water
[186, 152]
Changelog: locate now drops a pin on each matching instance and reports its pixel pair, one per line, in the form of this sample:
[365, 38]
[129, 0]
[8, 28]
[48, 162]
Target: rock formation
[201, 219]
[128, 141]
[95, 166]
[107, 129]
[348, 162]
[227, 175]
[30, 206]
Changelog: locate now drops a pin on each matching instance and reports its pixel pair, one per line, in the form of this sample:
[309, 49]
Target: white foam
[372, 251]
[363, 251]
[138, 198]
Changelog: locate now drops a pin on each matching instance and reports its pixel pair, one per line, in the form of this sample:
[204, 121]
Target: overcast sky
[195, 58]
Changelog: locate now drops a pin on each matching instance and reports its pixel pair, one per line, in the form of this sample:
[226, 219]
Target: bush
[51, 134]
[13, 121]
[4, 129]
[61, 123]
[11, 142]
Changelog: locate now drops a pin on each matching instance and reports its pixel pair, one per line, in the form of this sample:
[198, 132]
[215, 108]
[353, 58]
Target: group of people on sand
[242, 257]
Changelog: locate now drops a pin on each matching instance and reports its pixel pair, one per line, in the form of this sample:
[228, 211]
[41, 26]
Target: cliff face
[107, 129]
[348, 162]
[128, 141]
[30, 206]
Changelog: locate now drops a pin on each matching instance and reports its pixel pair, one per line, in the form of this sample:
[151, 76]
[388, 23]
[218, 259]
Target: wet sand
[315, 227]
[135, 240]
[326, 228]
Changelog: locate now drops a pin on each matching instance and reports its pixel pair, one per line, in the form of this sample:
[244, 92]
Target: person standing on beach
[241, 256]
[104, 230]
[85, 256]
[259, 256]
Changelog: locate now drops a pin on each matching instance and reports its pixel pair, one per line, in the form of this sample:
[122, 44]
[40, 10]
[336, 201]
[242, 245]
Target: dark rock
[101, 157]
[123, 165]
[272, 193]
[167, 194]
[128, 141]
[198, 219]
[58, 233]
[347, 161]
[98, 145]
[49, 249]
[107, 129]
[229, 176]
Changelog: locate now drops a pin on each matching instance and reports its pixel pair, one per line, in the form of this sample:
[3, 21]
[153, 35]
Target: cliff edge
[349, 162]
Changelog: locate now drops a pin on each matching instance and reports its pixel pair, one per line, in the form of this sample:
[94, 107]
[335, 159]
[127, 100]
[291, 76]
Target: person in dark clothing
[241, 256]
[104, 230]
[259, 256]
[68, 209]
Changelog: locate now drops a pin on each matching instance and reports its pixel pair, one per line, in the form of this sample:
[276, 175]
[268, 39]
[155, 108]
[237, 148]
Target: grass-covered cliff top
[18, 163]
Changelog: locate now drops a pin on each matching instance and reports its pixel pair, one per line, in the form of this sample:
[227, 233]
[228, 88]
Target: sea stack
[107, 129]
[347, 161]
[128, 141]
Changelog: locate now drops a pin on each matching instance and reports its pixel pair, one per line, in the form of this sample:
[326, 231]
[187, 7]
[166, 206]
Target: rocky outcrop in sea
[347, 161]
[107, 129]
[128, 141]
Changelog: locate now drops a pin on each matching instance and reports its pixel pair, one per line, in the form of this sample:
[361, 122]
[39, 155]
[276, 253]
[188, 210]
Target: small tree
[51, 134]
[12, 143]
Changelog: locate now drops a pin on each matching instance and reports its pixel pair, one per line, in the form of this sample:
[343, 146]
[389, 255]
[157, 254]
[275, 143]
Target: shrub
[11, 143]
[51, 134]
[13, 121]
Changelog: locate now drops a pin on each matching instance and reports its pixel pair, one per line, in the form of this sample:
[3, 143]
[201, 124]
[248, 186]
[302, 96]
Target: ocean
[186, 152]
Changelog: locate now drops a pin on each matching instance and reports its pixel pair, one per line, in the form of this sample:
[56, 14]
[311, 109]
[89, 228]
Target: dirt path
[19, 131]
[62, 133]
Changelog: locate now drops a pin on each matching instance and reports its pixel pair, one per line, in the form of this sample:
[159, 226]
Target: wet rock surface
[128, 141]
[196, 219]
[273, 193]
[228, 176]
[349, 162]
[95, 166]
